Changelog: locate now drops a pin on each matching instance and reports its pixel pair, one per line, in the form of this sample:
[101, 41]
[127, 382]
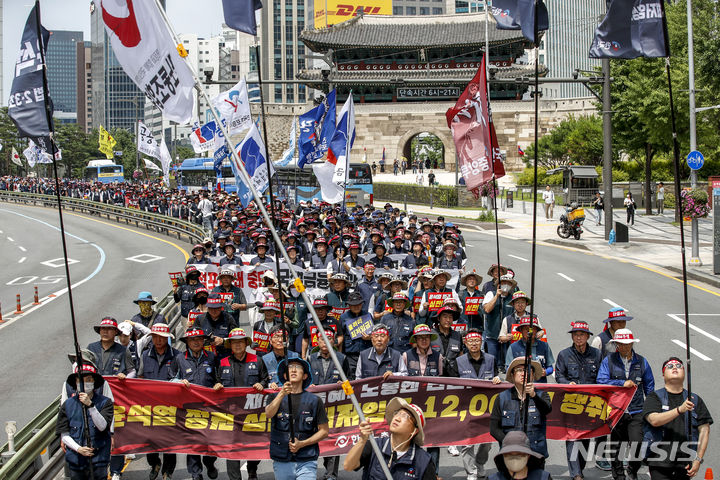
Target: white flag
[151, 165]
[16, 158]
[145, 142]
[144, 47]
[288, 154]
[234, 107]
[332, 174]
[165, 161]
[34, 154]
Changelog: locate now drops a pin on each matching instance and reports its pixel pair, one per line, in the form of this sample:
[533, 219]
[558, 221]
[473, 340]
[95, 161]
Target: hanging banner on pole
[106, 143]
[146, 142]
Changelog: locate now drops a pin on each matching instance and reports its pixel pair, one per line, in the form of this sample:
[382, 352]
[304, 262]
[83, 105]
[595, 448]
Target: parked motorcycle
[571, 222]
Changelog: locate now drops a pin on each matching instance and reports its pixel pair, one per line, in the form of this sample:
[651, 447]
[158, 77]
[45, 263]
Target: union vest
[637, 372]
[401, 328]
[305, 424]
[432, 366]
[607, 347]
[251, 374]
[114, 358]
[198, 371]
[454, 348]
[331, 374]
[657, 434]
[511, 410]
[369, 367]
[153, 368]
[99, 440]
[541, 354]
[411, 466]
[466, 369]
[271, 364]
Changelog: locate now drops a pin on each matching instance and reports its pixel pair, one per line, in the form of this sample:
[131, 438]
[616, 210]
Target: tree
[575, 141]
[77, 147]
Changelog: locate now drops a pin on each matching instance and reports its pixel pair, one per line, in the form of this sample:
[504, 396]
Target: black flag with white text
[631, 29]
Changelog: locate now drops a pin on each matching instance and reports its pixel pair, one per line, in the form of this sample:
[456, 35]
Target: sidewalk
[653, 239]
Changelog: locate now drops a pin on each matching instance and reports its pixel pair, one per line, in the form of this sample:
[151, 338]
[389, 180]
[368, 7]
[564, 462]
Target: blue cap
[145, 297]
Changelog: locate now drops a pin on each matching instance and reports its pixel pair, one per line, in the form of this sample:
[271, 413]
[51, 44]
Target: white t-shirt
[661, 193]
[549, 196]
[205, 207]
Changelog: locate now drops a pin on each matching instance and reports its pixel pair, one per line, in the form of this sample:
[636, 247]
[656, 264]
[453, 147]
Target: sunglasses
[674, 365]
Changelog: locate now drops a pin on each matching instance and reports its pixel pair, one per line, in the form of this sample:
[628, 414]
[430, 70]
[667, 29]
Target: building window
[410, 11]
[424, 10]
[437, 11]
[397, 10]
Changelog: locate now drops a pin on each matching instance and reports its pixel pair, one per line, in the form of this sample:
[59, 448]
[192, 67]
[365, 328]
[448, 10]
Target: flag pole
[678, 208]
[297, 283]
[48, 114]
[268, 164]
[531, 333]
[347, 162]
[492, 157]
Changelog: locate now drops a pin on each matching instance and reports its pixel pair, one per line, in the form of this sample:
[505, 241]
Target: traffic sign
[695, 160]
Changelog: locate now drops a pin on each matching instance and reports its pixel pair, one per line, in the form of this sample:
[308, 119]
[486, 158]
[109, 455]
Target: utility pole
[695, 234]
[607, 147]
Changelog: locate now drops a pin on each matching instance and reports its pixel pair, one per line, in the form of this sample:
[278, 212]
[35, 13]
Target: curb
[698, 275]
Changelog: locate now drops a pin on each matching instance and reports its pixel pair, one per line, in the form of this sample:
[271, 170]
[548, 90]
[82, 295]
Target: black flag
[631, 29]
[26, 106]
[520, 15]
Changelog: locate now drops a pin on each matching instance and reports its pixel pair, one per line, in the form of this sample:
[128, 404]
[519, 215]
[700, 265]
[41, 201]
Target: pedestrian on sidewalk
[660, 198]
[414, 166]
[630, 207]
[404, 165]
[374, 168]
[599, 207]
[549, 199]
[431, 178]
[396, 166]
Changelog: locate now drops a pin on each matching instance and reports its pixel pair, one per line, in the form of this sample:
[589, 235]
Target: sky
[203, 17]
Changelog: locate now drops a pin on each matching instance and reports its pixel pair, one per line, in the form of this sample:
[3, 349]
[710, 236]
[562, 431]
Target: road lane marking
[60, 261]
[184, 252]
[49, 298]
[678, 280]
[565, 277]
[693, 327]
[519, 258]
[611, 303]
[11, 239]
[702, 356]
[22, 260]
[144, 258]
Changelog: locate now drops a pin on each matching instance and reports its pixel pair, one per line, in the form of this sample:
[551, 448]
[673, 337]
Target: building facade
[83, 80]
[564, 48]
[61, 59]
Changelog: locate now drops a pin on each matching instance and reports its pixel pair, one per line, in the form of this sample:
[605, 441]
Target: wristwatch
[699, 459]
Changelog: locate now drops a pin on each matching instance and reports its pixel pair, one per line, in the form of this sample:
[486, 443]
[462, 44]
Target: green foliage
[428, 147]
[526, 177]
[575, 141]
[442, 196]
[669, 200]
[486, 216]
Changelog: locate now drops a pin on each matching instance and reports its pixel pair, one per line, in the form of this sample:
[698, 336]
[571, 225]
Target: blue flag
[240, 14]
[520, 15]
[316, 129]
[631, 29]
[252, 154]
[26, 106]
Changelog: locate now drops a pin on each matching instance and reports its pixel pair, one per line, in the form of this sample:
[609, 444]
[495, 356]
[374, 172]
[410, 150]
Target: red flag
[470, 121]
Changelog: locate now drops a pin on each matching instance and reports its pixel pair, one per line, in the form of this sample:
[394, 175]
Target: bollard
[405, 202]
[10, 430]
[18, 309]
[1, 320]
[37, 297]
[431, 200]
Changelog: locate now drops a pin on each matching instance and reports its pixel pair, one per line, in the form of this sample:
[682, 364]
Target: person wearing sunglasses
[665, 413]
[401, 451]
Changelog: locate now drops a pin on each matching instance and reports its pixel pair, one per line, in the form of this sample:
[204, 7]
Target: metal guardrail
[160, 223]
[38, 455]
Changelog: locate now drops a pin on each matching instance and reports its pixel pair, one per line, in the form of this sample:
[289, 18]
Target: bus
[104, 171]
[296, 185]
[196, 174]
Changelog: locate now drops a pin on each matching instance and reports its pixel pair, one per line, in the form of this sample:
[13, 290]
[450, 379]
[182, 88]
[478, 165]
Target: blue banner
[316, 129]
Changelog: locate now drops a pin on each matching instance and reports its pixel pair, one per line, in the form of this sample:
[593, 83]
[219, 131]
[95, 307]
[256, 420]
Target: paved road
[35, 344]
[571, 285]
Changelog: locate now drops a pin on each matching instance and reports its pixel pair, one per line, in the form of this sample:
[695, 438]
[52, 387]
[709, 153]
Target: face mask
[505, 288]
[202, 300]
[515, 463]
[89, 386]
[346, 243]
[145, 309]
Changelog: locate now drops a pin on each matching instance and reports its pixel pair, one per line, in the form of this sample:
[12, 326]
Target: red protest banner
[337, 311]
[227, 298]
[154, 416]
[192, 316]
[176, 278]
[436, 300]
[472, 305]
[417, 302]
[262, 340]
[459, 327]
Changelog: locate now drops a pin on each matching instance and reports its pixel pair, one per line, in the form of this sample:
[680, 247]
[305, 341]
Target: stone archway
[403, 145]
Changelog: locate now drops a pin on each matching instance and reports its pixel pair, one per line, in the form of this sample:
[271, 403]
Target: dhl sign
[337, 11]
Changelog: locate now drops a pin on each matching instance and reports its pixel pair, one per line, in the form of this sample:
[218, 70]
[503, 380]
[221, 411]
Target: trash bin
[621, 233]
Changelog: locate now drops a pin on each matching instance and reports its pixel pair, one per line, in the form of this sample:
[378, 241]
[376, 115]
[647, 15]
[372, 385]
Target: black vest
[305, 424]
[432, 366]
